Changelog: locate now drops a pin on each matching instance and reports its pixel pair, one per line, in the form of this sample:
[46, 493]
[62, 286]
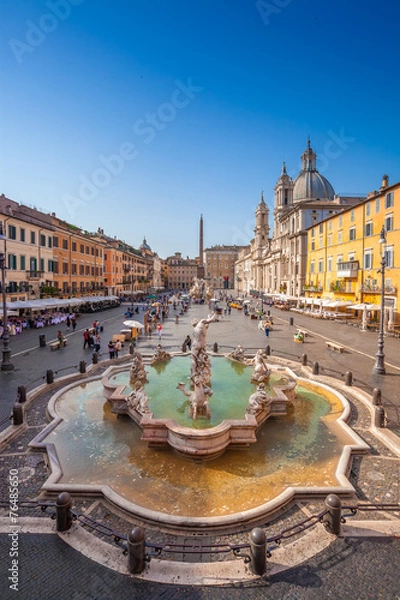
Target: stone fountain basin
[201, 444]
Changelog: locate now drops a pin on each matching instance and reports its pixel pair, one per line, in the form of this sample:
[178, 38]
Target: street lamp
[132, 281]
[379, 366]
[6, 364]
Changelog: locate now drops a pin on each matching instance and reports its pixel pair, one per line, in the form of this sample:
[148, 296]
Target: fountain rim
[344, 487]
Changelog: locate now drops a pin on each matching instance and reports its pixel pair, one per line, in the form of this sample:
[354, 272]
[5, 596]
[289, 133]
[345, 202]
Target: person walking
[111, 349]
[86, 337]
[117, 347]
[159, 330]
[73, 323]
[97, 342]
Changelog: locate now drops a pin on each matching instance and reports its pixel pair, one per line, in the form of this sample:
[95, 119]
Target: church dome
[309, 184]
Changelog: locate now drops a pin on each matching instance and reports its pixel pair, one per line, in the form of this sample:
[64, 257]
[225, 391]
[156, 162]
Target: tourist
[159, 330]
[97, 342]
[117, 347]
[61, 339]
[188, 342]
[111, 349]
[86, 337]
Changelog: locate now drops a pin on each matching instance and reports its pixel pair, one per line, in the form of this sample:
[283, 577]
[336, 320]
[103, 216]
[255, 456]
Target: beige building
[219, 266]
[28, 246]
[180, 272]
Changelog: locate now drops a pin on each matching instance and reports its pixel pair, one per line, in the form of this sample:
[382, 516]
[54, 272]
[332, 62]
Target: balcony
[348, 269]
[376, 289]
[34, 275]
[312, 288]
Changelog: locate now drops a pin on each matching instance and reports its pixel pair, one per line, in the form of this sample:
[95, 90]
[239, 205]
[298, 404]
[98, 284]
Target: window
[368, 209]
[41, 264]
[339, 237]
[55, 266]
[330, 239]
[73, 246]
[312, 232]
[352, 215]
[12, 232]
[22, 234]
[389, 200]
[22, 263]
[50, 241]
[352, 234]
[340, 220]
[312, 267]
[73, 268]
[313, 245]
[33, 237]
[368, 259]
[65, 244]
[12, 262]
[321, 228]
[87, 250]
[389, 223]
[82, 249]
[330, 225]
[42, 240]
[329, 268]
[377, 205]
[55, 241]
[320, 265]
[65, 268]
[389, 256]
[368, 229]
[50, 266]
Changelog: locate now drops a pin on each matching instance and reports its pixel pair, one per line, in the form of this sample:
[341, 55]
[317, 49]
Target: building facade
[219, 266]
[344, 252]
[180, 272]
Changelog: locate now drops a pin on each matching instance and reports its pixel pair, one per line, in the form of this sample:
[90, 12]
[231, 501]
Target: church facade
[276, 259]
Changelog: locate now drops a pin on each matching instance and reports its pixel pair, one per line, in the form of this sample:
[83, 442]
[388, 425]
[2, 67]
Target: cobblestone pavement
[350, 567]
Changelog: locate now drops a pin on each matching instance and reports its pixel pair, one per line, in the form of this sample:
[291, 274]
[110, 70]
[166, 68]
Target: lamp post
[132, 281]
[379, 366]
[6, 364]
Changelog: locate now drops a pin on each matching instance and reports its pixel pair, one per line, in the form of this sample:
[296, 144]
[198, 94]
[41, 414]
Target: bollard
[95, 358]
[21, 393]
[315, 368]
[349, 378]
[258, 546]
[291, 321]
[379, 416]
[376, 397]
[63, 511]
[17, 414]
[268, 313]
[332, 519]
[82, 366]
[132, 347]
[215, 347]
[49, 376]
[304, 360]
[184, 348]
[42, 341]
[268, 350]
[136, 550]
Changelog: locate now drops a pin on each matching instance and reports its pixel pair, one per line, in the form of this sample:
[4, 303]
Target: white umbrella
[246, 301]
[134, 324]
[213, 299]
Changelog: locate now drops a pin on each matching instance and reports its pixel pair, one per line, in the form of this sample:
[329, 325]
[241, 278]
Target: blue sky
[137, 116]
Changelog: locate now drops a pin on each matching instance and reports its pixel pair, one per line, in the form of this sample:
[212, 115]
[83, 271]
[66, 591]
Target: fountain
[199, 443]
[249, 461]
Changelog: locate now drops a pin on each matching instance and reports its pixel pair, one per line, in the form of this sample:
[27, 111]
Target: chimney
[385, 182]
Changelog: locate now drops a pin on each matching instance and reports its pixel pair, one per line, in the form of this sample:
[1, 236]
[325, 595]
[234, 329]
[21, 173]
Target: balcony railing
[376, 289]
[34, 275]
[312, 288]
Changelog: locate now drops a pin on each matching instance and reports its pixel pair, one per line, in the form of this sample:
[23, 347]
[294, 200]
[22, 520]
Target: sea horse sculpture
[198, 398]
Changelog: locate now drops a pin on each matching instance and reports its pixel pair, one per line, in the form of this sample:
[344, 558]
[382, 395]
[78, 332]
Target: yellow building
[344, 252]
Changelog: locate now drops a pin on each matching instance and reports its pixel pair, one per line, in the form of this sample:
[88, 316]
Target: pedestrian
[86, 337]
[61, 339]
[97, 342]
[73, 323]
[111, 349]
[188, 342]
[117, 347]
[68, 322]
[159, 330]
[266, 329]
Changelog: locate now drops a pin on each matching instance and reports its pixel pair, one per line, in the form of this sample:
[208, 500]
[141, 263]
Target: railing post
[291, 321]
[136, 550]
[95, 358]
[268, 350]
[379, 416]
[82, 366]
[315, 368]
[304, 360]
[21, 393]
[215, 347]
[258, 551]
[376, 397]
[49, 376]
[332, 519]
[349, 378]
[63, 511]
[17, 414]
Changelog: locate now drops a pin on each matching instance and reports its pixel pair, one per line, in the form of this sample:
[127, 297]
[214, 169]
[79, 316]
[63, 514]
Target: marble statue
[160, 355]
[261, 372]
[257, 400]
[137, 371]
